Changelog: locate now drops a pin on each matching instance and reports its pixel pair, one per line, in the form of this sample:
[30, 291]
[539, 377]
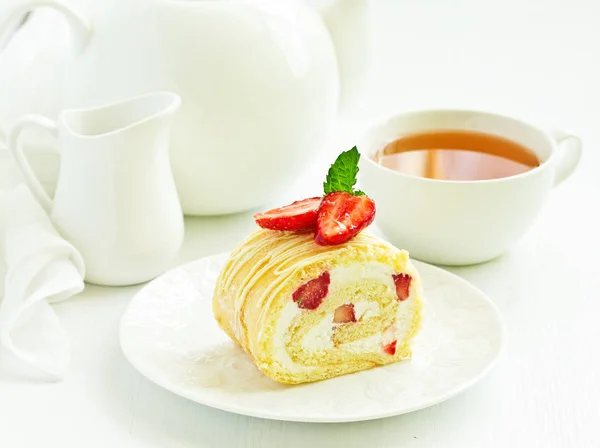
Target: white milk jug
[115, 199]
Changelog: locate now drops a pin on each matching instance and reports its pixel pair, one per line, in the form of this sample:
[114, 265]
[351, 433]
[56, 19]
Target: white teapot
[260, 82]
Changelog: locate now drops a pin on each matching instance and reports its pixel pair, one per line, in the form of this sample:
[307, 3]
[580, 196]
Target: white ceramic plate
[168, 333]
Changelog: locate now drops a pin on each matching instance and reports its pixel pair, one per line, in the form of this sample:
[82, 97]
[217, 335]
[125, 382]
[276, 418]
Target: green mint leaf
[359, 193]
[342, 174]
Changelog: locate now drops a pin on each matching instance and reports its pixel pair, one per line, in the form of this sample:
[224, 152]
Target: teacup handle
[570, 147]
[21, 160]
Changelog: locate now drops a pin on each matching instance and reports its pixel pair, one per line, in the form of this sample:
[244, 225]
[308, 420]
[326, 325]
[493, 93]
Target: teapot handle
[80, 26]
[21, 160]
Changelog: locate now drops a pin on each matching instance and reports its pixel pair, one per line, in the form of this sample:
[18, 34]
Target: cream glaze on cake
[253, 303]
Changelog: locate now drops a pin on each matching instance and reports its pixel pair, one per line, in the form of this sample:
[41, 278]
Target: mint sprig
[342, 174]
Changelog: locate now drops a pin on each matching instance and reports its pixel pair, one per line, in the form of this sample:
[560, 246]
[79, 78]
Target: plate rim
[216, 404]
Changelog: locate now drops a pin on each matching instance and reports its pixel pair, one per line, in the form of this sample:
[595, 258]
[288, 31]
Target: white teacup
[462, 222]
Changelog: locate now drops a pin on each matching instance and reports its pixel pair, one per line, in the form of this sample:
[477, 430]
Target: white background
[538, 60]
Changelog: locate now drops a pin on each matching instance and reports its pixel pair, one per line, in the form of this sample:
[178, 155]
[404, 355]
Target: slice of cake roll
[306, 312]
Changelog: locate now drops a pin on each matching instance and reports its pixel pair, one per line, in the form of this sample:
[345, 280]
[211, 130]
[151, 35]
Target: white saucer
[168, 333]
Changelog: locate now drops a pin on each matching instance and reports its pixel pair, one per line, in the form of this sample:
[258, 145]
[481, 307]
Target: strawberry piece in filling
[310, 295]
[402, 282]
[390, 348]
[344, 314]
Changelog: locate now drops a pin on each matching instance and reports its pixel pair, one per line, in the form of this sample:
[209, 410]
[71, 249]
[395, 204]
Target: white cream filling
[320, 336]
[404, 315]
[288, 313]
[364, 309]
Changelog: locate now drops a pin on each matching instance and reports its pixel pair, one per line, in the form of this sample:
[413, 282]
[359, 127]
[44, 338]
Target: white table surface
[538, 60]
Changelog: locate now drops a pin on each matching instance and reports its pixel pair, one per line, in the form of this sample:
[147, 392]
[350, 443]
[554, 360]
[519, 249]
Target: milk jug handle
[80, 26]
[20, 159]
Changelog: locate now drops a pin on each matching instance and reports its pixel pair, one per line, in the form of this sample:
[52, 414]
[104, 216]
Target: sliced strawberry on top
[402, 282]
[298, 216]
[342, 216]
[310, 295]
[344, 314]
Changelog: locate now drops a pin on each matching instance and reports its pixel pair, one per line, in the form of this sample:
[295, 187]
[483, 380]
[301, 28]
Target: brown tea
[457, 155]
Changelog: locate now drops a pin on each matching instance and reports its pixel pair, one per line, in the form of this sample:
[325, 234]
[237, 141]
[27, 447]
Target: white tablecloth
[539, 60]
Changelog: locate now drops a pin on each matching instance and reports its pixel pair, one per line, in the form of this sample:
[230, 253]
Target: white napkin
[41, 268]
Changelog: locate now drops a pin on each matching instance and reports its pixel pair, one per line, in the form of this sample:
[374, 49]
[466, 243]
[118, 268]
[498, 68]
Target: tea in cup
[458, 187]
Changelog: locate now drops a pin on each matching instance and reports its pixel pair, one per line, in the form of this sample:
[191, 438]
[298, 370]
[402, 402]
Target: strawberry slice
[342, 216]
[310, 295]
[298, 216]
[402, 282]
[390, 348]
[344, 314]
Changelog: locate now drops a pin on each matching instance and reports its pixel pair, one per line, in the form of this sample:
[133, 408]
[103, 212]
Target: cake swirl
[305, 312]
